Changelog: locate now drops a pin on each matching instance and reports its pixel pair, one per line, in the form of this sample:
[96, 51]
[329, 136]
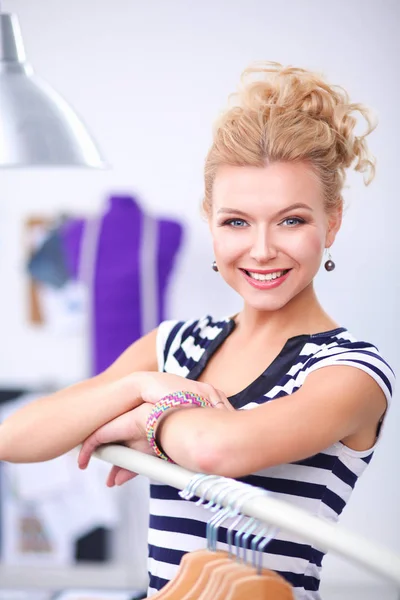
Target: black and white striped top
[321, 484]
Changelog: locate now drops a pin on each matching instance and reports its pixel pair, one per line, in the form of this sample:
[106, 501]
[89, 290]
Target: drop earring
[329, 264]
[214, 266]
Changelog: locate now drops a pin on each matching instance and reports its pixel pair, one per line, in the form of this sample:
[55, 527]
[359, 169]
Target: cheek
[228, 247]
[306, 247]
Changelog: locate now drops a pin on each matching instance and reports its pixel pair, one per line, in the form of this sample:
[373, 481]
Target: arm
[333, 404]
[55, 424]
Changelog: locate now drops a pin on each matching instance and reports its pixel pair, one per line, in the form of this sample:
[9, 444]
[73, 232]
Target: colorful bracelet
[170, 401]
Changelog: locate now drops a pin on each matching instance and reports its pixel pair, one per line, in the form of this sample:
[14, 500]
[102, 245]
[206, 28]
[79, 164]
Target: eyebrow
[295, 206]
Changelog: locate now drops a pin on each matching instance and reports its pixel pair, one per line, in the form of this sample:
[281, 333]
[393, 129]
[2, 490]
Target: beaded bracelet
[170, 401]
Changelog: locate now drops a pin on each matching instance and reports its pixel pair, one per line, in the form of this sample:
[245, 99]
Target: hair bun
[292, 114]
[273, 90]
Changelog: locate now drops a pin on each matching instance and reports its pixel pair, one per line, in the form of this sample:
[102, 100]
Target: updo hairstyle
[291, 114]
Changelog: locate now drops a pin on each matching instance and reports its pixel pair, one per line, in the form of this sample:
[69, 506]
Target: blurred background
[148, 79]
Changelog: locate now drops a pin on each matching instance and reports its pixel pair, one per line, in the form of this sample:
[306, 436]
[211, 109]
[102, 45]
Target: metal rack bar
[321, 533]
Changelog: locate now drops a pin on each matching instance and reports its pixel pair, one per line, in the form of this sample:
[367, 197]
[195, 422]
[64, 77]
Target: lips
[265, 280]
[265, 271]
[270, 275]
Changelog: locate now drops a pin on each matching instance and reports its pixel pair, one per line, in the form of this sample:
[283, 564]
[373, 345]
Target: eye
[292, 222]
[237, 223]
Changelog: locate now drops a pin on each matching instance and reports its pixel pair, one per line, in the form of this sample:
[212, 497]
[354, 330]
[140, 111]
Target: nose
[263, 249]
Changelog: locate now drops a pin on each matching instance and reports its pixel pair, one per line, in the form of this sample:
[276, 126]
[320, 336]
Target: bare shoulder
[347, 390]
[139, 356]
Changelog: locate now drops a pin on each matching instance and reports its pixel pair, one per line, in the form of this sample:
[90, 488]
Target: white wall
[149, 78]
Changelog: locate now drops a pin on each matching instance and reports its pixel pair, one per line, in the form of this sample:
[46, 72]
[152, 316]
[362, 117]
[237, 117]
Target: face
[269, 230]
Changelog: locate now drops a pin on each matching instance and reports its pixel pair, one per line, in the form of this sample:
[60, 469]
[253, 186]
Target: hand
[129, 429]
[152, 386]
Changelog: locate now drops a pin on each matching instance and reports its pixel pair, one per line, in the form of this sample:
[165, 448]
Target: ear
[334, 223]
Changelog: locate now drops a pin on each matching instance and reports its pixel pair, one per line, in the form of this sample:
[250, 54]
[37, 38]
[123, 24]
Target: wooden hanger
[259, 587]
[195, 567]
[225, 576]
[215, 575]
[217, 579]
[208, 570]
[222, 577]
[189, 573]
[230, 581]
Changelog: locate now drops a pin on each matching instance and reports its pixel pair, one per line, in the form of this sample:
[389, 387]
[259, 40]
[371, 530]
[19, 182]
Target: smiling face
[270, 229]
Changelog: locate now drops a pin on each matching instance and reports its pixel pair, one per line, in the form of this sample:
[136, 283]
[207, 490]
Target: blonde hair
[291, 114]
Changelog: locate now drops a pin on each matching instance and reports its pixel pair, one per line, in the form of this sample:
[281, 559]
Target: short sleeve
[360, 355]
[171, 337]
[164, 334]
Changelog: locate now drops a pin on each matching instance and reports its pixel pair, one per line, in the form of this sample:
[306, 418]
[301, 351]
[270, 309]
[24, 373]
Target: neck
[302, 315]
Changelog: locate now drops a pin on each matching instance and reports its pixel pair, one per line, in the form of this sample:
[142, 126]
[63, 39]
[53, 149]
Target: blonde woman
[301, 401]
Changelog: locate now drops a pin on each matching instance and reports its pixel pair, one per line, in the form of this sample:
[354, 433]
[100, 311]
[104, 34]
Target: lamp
[37, 126]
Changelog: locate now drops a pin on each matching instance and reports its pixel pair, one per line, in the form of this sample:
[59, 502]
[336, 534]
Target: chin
[264, 305]
[269, 301]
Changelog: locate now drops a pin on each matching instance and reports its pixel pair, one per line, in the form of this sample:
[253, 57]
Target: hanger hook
[262, 546]
[214, 480]
[256, 540]
[243, 543]
[248, 528]
[190, 490]
[221, 493]
[248, 492]
[213, 525]
[258, 544]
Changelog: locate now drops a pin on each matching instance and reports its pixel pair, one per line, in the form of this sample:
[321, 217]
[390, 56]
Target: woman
[273, 182]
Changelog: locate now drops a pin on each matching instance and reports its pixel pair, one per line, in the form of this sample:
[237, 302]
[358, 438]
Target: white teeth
[266, 276]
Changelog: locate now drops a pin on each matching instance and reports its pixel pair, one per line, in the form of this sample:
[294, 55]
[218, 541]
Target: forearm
[195, 438]
[53, 425]
[232, 444]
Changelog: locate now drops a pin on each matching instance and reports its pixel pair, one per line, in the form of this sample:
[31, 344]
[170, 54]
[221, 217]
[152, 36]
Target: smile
[266, 276]
[268, 280]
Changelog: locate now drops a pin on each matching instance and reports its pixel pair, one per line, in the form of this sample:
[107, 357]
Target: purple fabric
[71, 236]
[170, 237]
[117, 311]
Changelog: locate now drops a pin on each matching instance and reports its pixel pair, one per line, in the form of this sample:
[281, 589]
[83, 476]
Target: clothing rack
[321, 533]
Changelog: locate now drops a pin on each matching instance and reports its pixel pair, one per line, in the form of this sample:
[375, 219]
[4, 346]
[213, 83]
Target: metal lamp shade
[37, 126]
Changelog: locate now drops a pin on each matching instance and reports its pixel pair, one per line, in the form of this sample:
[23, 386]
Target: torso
[243, 357]
[206, 350]
[234, 366]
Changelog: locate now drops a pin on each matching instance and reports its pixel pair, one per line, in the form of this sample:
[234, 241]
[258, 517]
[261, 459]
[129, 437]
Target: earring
[329, 264]
[214, 266]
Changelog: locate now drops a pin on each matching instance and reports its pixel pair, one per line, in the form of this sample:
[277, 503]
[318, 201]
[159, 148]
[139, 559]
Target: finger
[111, 476]
[117, 429]
[119, 476]
[223, 402]
[123, 476]
[87, 449]
[218, 399]
[210, 393]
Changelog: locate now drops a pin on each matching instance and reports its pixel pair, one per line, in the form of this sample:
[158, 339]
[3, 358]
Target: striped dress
[320, 484]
